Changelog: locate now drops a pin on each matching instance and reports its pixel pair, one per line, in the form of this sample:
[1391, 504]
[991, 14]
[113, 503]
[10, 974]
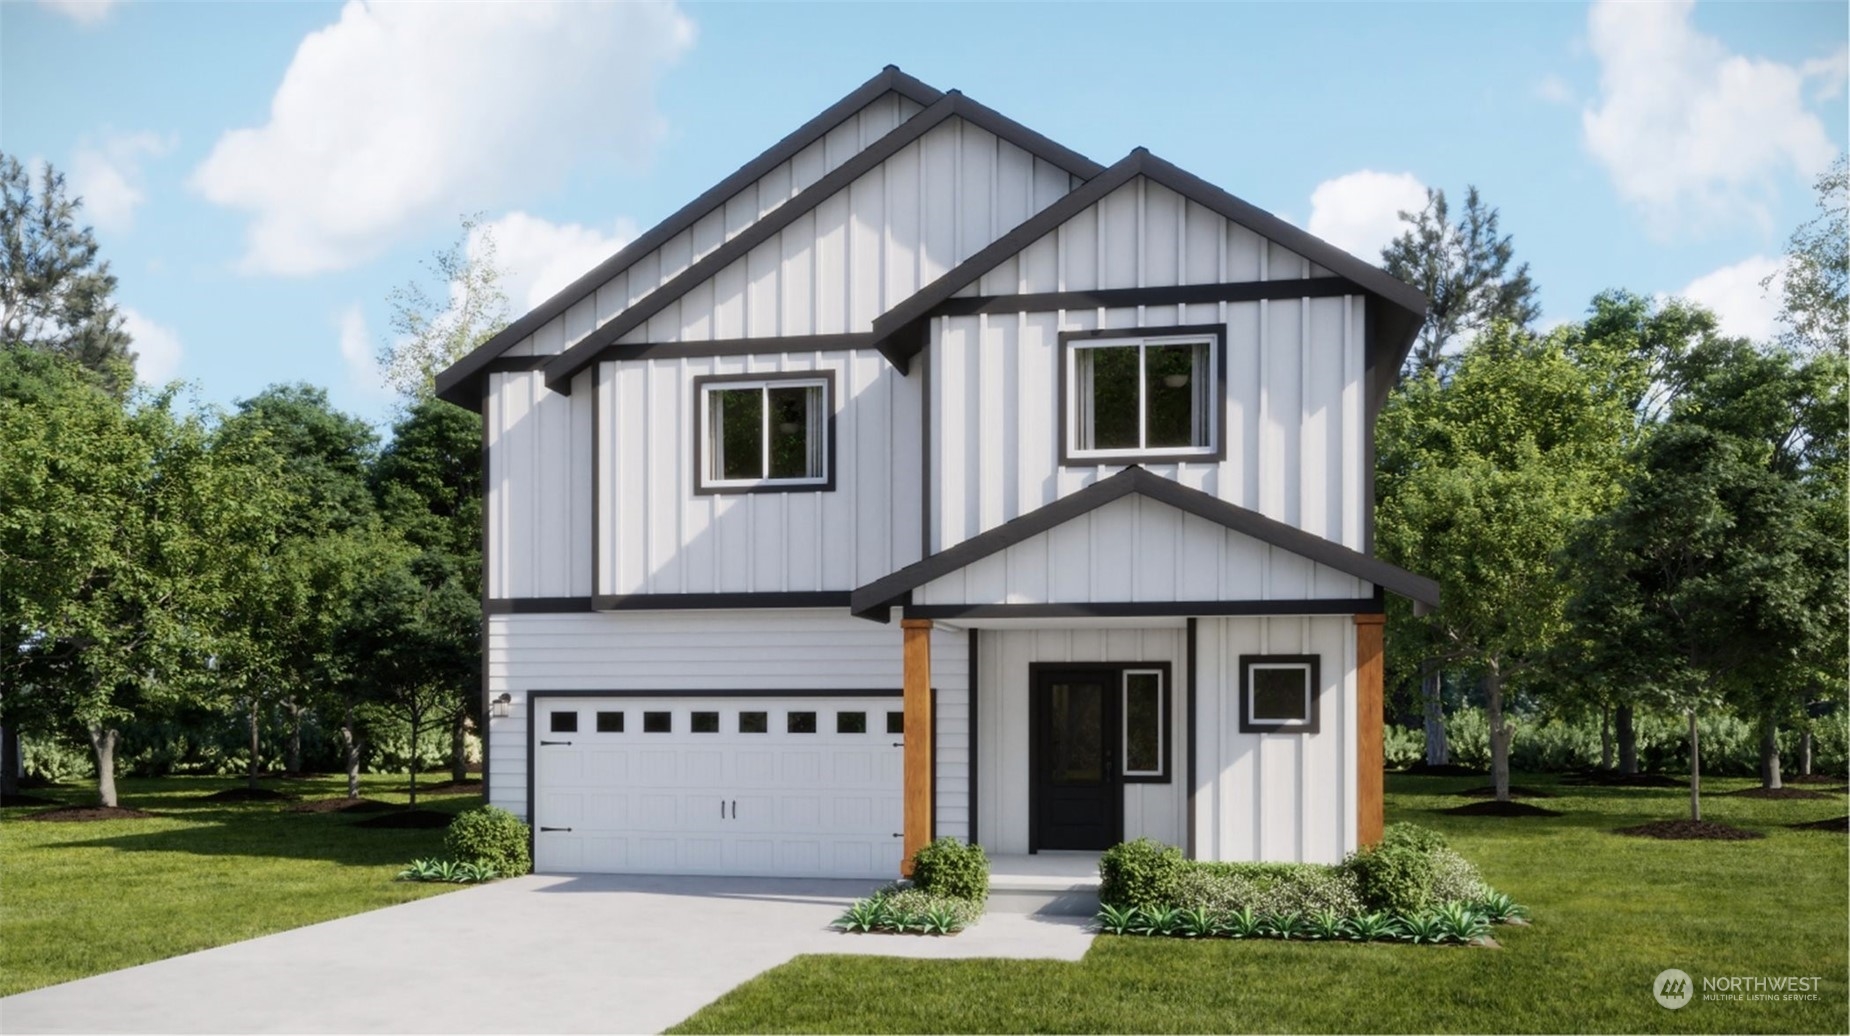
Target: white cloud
[1554, 90]
[1741, 306]
[107, 176]
[157, 348]
[538, 257]
[83, 12]
[358, 356]
[1692, 134]
[1360, 212]
[399, 116]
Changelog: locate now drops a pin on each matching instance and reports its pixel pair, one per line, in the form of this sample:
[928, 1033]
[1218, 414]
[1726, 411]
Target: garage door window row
[565, 721]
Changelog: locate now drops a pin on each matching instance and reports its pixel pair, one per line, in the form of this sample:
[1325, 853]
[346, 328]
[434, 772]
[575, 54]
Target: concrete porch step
[1052, 883]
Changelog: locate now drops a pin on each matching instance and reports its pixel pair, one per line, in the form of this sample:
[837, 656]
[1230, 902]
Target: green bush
[1307, 889]
[1411, 869]
[1142, 873]
[952, 869]
[1413, 836]
[1403, 747]
[56, 761]
[493, 836]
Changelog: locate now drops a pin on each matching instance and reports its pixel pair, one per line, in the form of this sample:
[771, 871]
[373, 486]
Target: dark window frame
[1164, 736]
[1166, 671]
[1312, 724]
[1217, 411]
[703, 382]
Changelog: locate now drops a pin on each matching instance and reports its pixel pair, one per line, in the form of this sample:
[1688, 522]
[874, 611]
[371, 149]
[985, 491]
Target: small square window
[704, 723]
[610, 722]
[1278, 693]
[658, 722]
[851, 722]
[754, 722]
[896, 723]
[565, 722]
[800, 723]
[768, 432]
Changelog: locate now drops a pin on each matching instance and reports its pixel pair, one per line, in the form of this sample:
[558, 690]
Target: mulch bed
[1790, 778]
[1682, 830]
[1490, 792]
[341, 805]
[1779, 793]
[451, 787]
[1444, 770]
[90, 813]
[1628, 780]
[1833, 824]
[1493, 808]
[402, 819]
[26, 800]
[249, 795]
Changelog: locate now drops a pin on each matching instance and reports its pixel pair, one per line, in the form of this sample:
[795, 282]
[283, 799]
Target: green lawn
[1610, 913]
[78, 899]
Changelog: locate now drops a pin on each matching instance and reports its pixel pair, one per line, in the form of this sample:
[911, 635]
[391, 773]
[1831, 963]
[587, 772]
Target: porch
[1052, 882]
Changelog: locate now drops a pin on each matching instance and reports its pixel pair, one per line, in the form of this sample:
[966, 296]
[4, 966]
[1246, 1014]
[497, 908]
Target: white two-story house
[925, 477]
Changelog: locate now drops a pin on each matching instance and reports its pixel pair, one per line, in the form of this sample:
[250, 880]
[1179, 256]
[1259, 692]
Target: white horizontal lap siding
[1275, 797]
[1140, 550]
[1153, 810]
[1294, 416]
[797, 650]
[950, 681]
[764, 195]
[656, 534]
[537, 501]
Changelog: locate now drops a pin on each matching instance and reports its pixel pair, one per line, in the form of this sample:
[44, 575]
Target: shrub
[1413, 836]
[1142, 873]
[952, 869]
[1456, 879]
[493, 836]
[894, 909]
[1395, 878]
[1403, 747]
[1307, 889]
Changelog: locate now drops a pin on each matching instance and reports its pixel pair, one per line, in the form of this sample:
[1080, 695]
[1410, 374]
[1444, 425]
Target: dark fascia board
[453, 383]
[762, 599]
[1144, 609]
[872, 600]
[559, 372]
[1369, 278]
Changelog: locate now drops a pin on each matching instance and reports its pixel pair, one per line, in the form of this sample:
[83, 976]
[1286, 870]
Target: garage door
[786, 787]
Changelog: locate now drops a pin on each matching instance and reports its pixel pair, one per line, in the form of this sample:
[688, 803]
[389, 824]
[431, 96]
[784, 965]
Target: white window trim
[1282, 724]
[763, 385]
[1124, 727]
[1142, 342]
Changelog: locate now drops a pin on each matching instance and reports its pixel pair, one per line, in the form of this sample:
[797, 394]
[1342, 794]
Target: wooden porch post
[918, 736]
[1369, 753]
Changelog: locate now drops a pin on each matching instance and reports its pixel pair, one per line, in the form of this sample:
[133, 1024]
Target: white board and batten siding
[688, 653]
[1139, 550]
[538, 487]
[1295, 417]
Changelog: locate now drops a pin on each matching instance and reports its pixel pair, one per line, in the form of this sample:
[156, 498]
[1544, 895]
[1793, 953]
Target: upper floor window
[764, 432]
[1146, 394]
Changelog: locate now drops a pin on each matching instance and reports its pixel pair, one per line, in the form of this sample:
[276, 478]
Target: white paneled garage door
[786, 786]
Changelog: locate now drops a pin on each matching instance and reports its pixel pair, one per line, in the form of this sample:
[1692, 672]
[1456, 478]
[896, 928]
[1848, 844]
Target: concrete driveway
[534, 954]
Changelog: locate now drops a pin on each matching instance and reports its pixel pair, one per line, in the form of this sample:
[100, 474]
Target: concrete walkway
[535, 954]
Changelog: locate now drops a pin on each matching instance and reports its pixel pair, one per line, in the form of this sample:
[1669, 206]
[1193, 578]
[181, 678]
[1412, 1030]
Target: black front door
[1077, 797]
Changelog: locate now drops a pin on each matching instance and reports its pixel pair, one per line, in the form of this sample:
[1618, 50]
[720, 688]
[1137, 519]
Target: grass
[1610, 913]
[84, 898]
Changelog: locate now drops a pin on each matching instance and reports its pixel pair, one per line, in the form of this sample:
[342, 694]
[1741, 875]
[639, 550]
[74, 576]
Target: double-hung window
[1141, 395]
[758, 433]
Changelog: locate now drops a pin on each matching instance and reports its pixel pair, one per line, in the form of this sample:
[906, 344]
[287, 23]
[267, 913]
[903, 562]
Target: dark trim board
[650, 602]
[975, 727]
[698, 437]
[769, 346]
[1216, 333]
[486, 711]
[1144, 609]
[1244, 691]
[756, 692]
[535, 605]
[514, 364]
[934, 762]
[1168, 295]
[1190, 710]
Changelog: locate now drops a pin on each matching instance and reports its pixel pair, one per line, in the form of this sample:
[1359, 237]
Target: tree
[1464, 269]
[435, 327]
[54, 294]
[1481, 481]
[1815, 305]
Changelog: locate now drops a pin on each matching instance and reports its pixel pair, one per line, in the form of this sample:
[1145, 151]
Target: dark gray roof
[873, 599]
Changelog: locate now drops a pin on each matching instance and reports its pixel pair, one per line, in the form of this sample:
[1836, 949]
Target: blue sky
[262, 175]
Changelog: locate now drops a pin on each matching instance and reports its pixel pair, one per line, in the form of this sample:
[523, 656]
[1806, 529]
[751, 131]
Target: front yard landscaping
[1610, 912]
[80, 897]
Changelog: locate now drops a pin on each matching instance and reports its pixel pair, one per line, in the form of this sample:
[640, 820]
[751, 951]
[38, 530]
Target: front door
[1077, 796]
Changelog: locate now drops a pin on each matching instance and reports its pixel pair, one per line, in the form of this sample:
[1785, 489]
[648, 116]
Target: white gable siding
[538, 491]
[656, 535]
[740, 211]
[1295, 420]
[1138, 549]
[892, 231]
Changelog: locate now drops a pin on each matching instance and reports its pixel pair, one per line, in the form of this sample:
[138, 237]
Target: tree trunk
[9, 762]
[1605, 737]
[256, 744]
[459, 747]
[349, 737]
[1805, 753]
[294, 751]
[413, 765]
[1695, 770]
[103, 743]
[1622, 718]
[1500, 732]
[1769, 752]
[1432, 686]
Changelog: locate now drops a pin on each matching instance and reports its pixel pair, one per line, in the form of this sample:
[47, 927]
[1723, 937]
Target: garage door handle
[545, 829]
[555, 742]
[899, 744]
